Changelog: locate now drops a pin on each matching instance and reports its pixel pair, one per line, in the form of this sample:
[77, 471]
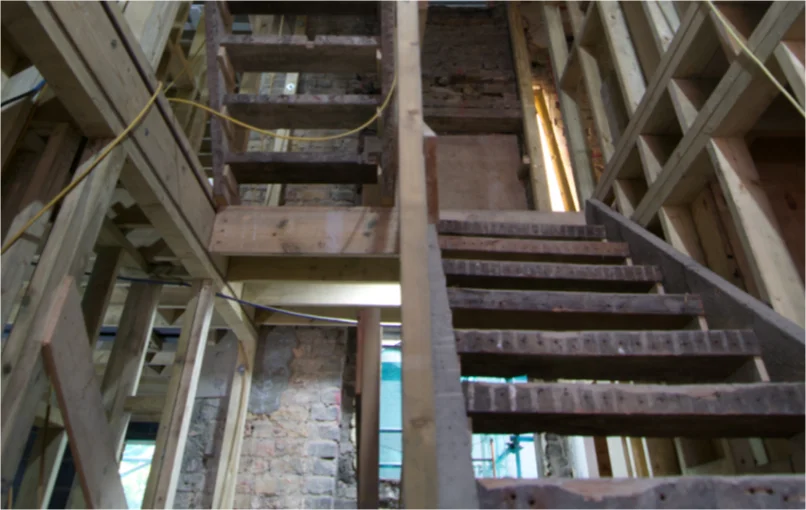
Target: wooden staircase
[608, 352]
[230, 55]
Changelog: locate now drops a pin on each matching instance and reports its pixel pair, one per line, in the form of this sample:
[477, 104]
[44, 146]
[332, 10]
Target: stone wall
[297, 449]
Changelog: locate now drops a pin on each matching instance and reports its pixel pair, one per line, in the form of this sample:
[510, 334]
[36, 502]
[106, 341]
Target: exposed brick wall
[294, 437]
[467, 59]
[195, 488]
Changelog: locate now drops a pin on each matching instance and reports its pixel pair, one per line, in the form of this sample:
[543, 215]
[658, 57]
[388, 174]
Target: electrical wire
[274, 134]
[78, 180]
[754, 58]
[24, 94]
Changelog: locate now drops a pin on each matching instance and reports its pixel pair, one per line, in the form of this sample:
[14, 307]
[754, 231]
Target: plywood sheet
[480, 172]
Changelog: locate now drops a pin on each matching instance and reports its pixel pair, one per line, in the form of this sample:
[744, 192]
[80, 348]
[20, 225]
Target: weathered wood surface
[67, 356]
[297, 53]
[311, 8]
[299, 231]
[419, 434]
[306, 111]
[726, 307]
[302, 167]
[444, 120]
[521, 230]
[779, 491]
[346, 269]
[533, 249]
[575, 302]
[513, 275]
[718, 410]
[656, 356]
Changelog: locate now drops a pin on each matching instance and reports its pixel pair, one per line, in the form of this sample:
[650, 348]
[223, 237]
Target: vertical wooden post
[172, 435]
[99, 289]
[419, 474]
[232, 440]
[531, 134]
[574, 133]
[369, 330]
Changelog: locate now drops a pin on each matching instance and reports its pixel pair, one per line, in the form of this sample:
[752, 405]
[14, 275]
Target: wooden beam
[300, 231]
[744, 85]
[574, 133]
[323, 294]
[70, 242]
[369, 329]
[419, 431]
[172, 435]
[347, 269]
[99, 290]
[30, 494]
[774, 270]
[69, 364]
[538, 178]
[25, 198]
[229, 455]
[626, 64]
[388, 120]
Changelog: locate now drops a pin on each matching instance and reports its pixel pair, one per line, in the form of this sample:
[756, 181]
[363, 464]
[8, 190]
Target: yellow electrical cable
[754, 58]
[16, 237]
[289, 137]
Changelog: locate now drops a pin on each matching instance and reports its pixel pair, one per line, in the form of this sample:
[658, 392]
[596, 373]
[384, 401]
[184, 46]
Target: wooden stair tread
[717, 410]
[575, 302]
[777, 491]
[554, 310]
[310, 8]
[520, 230]
[303, 167]
[654, 356]
[513, 274]
[532, 249]
[296, 53]
[304, 111]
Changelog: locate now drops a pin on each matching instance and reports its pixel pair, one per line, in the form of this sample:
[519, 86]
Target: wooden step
[547, 276]
[649, 356]
[296, 53]
[520, 230]
[460, 119]
[533, 249]
[303, 168]
[309, 8]
[718, 410]
[307, 111]
[567, 310]
[778, 491]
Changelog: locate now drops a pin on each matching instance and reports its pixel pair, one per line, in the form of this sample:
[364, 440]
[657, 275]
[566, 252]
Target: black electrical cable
[24, 94]
[181, 283]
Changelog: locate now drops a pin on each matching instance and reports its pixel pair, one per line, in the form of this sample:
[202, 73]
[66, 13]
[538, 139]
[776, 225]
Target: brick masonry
[298, 446]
